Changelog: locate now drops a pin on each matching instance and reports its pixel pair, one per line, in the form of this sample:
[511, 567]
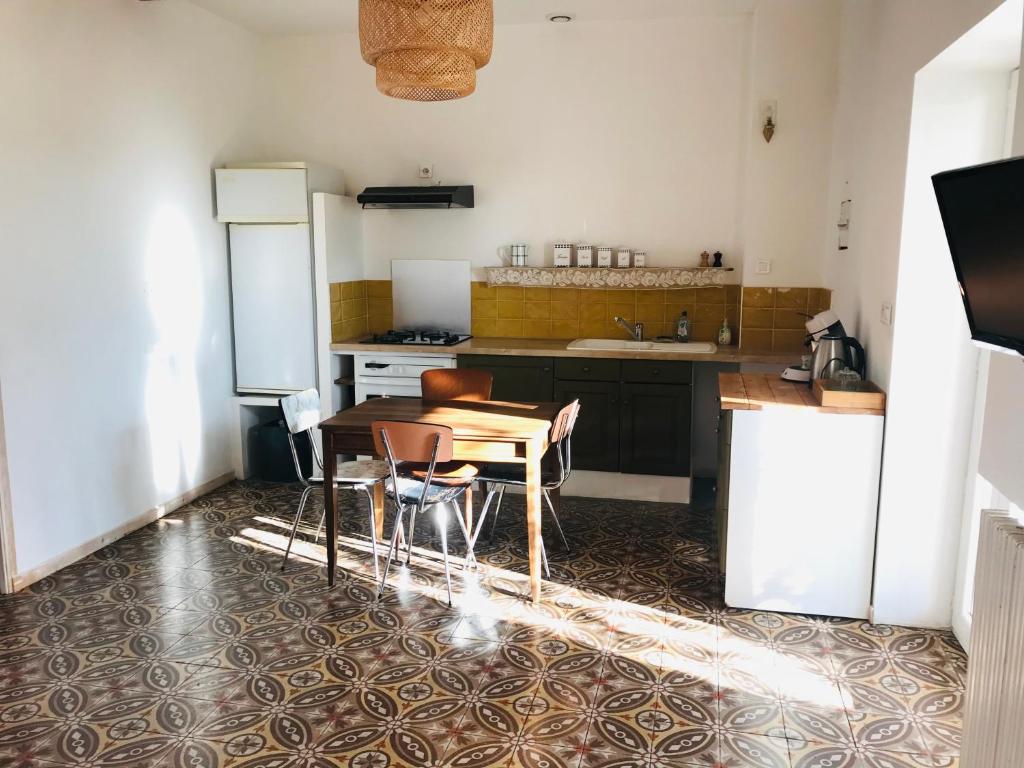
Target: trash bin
[271, 458]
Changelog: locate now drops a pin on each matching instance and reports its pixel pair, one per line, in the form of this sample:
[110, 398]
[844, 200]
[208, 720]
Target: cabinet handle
[545, 370]
[586, 369]
[655, 372]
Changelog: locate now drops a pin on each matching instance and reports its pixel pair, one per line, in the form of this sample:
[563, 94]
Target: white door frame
[7, 561]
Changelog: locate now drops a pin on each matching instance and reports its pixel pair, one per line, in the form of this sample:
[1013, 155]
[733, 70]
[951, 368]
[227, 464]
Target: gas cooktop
[418, 338]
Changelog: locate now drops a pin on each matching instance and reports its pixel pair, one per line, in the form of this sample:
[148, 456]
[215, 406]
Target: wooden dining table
[488, 431]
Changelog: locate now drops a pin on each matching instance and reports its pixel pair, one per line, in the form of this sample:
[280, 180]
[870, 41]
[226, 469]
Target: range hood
[416, 197]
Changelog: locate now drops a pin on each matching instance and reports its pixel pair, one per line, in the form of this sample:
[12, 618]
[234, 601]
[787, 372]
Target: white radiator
[994, 721]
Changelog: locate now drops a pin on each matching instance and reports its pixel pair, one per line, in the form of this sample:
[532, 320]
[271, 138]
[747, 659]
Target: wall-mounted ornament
[768, 110]
[844, 224]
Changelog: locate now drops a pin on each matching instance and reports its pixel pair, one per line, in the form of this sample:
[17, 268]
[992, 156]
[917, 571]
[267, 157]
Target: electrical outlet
[887, 313]
[426, 171]
[764, 267]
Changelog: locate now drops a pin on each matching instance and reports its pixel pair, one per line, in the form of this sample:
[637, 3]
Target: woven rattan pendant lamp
[426, 50]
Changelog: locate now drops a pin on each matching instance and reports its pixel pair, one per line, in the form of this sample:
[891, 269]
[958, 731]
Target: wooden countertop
[558, 348]
[757, 392]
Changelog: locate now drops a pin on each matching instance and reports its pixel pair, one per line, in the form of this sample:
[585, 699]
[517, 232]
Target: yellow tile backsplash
[349, 310]
[772, 319]
[568, 313]
[761, 319]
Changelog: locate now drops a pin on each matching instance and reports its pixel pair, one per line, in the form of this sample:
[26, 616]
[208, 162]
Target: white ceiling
[305, 17]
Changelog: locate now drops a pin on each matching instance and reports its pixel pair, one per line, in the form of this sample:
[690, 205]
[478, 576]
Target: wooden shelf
[607, 277]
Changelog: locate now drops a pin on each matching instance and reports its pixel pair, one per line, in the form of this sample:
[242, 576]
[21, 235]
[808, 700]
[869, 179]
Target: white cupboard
[262, 195]
[797, 509]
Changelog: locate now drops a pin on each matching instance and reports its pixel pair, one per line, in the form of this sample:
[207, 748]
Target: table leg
[331, 509]
[378, 511]
[533, 515]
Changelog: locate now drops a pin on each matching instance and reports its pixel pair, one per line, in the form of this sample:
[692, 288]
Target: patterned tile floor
[183, 645]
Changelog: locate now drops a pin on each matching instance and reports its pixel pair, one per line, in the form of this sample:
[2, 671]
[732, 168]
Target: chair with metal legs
[302, 414]
[456, 384]
[555, 468]
[417, 456]
[440, 384]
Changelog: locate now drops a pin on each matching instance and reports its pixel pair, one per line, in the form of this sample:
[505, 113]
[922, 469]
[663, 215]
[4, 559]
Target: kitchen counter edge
[559, 348]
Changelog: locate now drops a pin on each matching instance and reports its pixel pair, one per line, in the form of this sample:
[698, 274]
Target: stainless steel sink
[693, 347]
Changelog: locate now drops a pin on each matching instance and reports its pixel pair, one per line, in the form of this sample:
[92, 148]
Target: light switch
[764, 267]
[887, 313]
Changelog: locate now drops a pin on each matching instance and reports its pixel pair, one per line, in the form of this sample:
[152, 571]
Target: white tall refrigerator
[290, 234]
[273, 305]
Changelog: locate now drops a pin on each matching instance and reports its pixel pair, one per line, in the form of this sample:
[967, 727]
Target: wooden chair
[302, 414]
[423, 476]
[555, 468]
[458, 384]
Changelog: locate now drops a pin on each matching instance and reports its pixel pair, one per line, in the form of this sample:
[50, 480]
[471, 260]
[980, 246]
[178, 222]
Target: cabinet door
[595, 439]
[655, 429]
[262, 195]
[518, 379]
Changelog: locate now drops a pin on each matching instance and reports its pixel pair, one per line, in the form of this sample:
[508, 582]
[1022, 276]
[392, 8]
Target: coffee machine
[831, 350]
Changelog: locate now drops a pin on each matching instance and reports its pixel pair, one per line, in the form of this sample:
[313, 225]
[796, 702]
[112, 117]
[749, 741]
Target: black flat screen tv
[982, 210]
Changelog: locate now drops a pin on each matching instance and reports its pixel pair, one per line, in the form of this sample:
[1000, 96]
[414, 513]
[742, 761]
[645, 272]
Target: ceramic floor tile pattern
[183, 645]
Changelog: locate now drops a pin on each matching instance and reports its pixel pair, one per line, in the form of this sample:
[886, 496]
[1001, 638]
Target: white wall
[1002, 448]
[115, 349]
[794, 61]
[628, 132]
[883, 44]
[959, 119]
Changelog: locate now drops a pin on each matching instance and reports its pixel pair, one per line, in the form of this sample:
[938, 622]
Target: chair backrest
[559, 437]
[563, 423]
[301, 411]
[456, 384]
[401, 441]
[413, 441]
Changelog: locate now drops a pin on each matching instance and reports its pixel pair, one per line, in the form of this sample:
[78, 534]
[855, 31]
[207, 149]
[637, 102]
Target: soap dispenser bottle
[725, 334]
[683, 328]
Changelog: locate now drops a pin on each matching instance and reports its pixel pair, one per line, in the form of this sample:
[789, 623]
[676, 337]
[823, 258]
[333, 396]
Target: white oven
[394, 374]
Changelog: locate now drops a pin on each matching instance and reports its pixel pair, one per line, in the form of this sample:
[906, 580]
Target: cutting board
[863, 394]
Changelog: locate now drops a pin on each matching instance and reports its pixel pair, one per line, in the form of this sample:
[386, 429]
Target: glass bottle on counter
[683, 328]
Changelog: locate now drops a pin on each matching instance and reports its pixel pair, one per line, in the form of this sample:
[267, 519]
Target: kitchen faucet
[635, 330]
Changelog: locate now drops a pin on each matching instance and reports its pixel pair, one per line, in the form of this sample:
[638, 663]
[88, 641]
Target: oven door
[394, 375]
[369, 387]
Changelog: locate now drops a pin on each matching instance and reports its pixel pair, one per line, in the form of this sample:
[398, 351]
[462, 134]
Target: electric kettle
[833, 353]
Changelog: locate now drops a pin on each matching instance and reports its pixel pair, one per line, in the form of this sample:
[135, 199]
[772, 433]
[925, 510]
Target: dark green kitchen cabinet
[595, 439]
[634, 414]
[655, 429]
[523, 379]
